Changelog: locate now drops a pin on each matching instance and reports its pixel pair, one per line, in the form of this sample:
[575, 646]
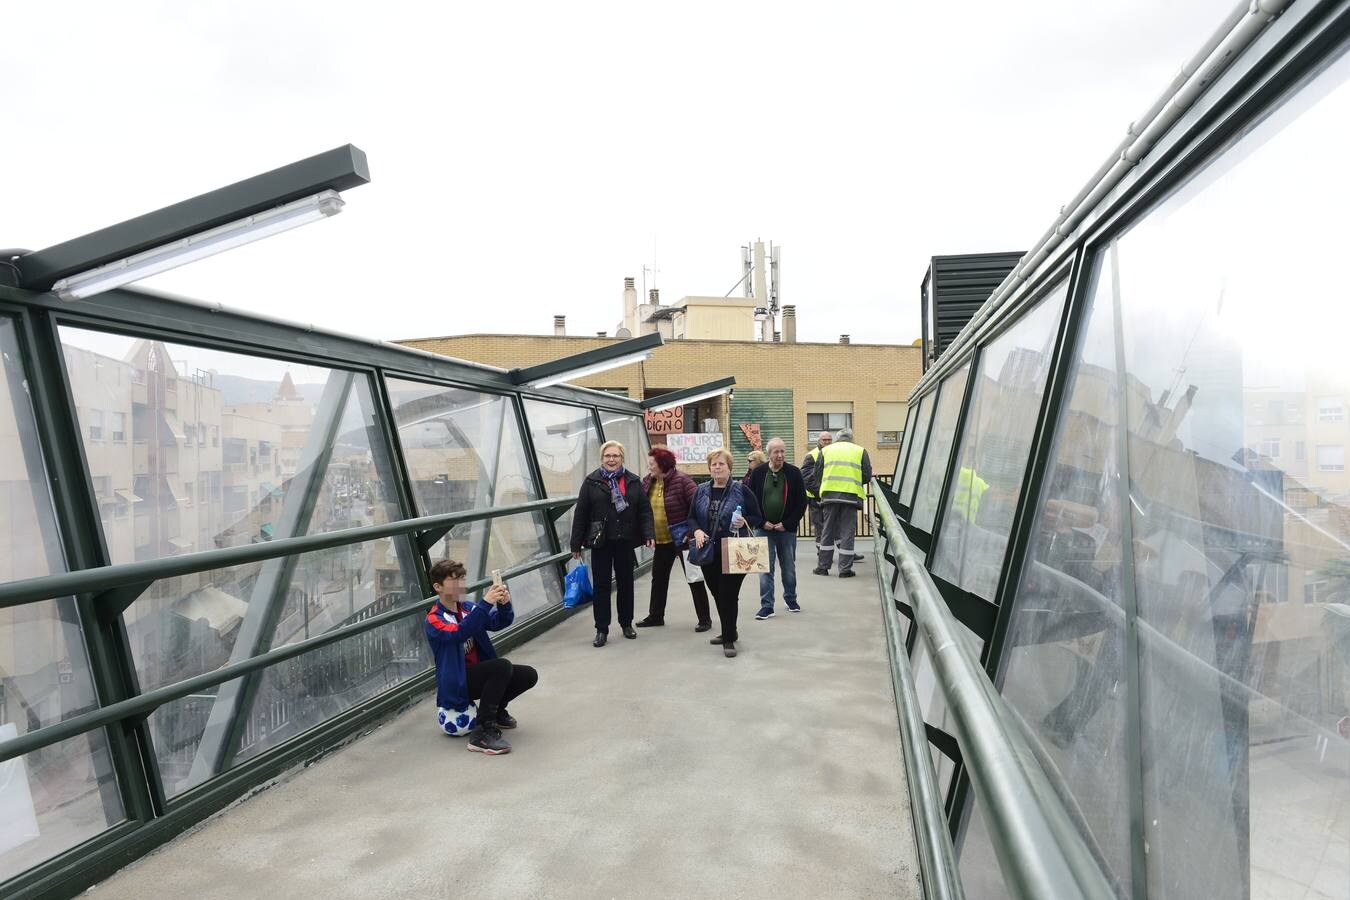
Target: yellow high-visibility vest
[814, 454]
[842, 472]
[969, 489]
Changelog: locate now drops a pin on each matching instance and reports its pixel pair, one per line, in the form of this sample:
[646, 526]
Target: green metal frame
[729, 382]
[1039, 849]
[102, 591]
[585, 359]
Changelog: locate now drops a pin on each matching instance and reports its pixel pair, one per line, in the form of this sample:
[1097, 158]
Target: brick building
[789, 390]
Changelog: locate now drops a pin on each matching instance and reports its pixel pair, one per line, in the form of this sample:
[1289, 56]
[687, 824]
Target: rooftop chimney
[843, 339]
[559, 326]
[789, 324]
[654, 297]
[630, 301]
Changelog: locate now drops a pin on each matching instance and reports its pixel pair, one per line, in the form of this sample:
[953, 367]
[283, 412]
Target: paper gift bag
[745, 555]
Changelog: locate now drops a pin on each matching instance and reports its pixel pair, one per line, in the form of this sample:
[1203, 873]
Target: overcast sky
[526, 157]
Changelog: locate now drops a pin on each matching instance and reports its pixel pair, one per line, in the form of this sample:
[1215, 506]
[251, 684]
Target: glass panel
[980, 875]
[293, 696]
[935, 461]
[920, 432]
[56, 797]
[221, 449]
[907, 440]
[631, 431]
[1004, 408]
[1242, 554]
[1063, 666]
[191, 626]
[933, 702]
[464, 451]
[567, 447]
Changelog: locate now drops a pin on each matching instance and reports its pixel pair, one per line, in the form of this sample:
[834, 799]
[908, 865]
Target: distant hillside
[236, 390]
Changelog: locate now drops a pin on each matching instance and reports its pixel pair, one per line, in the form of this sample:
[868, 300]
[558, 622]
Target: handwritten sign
[693, 448]
[666, 421]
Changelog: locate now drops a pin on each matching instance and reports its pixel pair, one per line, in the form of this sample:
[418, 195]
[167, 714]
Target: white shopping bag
[18, 819]
[692, 573]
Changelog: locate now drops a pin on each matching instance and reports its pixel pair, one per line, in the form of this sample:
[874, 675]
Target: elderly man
[841, 480]
[781, 493]
[809, 466]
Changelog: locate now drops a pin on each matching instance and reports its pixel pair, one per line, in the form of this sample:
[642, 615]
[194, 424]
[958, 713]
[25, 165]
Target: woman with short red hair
[670, 492]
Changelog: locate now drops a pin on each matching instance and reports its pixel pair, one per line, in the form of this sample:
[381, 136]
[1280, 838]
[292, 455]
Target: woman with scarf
[612, 518]
[722, 508]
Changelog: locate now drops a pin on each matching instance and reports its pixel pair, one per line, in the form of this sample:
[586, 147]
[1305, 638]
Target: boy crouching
[467, 667]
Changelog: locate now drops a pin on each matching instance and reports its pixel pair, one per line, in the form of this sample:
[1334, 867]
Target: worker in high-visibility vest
[970, 487]
[843, 475]
[808, 467]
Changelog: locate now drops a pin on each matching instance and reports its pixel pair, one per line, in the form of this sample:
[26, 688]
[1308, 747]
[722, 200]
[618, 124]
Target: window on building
[96, 424]
[189, 435]
[215, 435]
[119, 426]
[201, 435]
[1315, 591]
[236, 451]
[1268, 447]
[826, 417]
[890, 423]
[1331, 457]
[1330, 409]
[1300, 451]
[189, 492]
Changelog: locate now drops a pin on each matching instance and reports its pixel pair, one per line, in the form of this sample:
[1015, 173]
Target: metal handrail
[148, 702]
[97, 580]
[1040, 852]
[937, 858]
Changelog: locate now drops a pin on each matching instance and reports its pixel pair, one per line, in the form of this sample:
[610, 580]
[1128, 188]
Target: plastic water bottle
[737, 515]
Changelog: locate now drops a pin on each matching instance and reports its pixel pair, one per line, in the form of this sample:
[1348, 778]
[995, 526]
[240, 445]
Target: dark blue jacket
[737, 495]
[447, 637]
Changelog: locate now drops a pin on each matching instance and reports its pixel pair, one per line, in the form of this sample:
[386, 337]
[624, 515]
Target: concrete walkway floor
[654, 768]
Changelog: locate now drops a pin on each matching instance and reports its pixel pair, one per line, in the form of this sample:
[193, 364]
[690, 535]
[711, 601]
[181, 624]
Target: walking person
[841, 480]
[670, 493]
[753, 460]
[809, 474]
[781, 493]
[721, 508]
[612, 519]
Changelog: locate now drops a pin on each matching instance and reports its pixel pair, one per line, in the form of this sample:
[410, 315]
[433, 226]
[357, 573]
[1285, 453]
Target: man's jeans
[783, 547]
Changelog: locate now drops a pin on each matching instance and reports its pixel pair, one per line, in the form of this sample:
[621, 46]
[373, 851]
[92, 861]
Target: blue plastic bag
[577, 587]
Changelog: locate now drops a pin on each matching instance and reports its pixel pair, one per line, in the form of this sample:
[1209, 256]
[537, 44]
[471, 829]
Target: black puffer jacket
[631, 528]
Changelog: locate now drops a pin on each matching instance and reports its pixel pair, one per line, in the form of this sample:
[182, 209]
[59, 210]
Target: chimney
[654, 297]
[789, 324]
[630, 305]
[559, 326]
[843, 339]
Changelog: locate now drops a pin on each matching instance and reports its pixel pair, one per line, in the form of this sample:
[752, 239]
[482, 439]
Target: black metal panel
[338, 169]
[953, 290]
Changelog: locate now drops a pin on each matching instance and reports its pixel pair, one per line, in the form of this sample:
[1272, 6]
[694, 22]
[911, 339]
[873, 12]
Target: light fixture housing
[587, 362]
[197, 246]
[691, 394]
[592, 369]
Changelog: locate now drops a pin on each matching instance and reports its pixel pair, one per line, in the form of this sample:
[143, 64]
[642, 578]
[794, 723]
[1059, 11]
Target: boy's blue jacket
[447, 637]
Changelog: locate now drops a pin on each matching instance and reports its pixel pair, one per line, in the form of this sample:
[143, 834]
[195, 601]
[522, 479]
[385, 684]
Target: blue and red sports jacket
[447, 636]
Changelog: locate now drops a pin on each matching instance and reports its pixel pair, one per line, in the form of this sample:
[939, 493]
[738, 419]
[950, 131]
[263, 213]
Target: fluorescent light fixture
[197, 246]
[593, 369]
[681, 401]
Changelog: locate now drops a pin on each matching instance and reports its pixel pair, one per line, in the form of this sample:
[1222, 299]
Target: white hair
[776, 440]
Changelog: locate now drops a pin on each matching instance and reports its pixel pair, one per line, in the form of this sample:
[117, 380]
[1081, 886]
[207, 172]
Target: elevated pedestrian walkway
[654, 767]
